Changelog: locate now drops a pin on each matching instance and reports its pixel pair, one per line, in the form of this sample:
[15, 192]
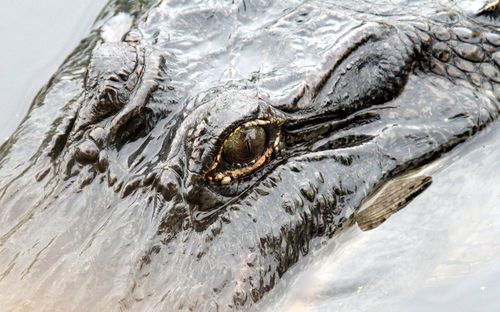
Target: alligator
[189, 161]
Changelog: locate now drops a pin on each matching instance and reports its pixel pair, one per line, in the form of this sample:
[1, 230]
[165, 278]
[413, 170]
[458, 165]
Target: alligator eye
[244, 145]
[245, 150]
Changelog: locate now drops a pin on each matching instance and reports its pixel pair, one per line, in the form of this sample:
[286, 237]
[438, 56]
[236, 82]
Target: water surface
[36, 38]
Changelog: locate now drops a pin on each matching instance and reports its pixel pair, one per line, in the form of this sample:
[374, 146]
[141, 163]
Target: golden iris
[244, 145]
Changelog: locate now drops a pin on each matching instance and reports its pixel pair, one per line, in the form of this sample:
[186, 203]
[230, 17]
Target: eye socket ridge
[245, 150]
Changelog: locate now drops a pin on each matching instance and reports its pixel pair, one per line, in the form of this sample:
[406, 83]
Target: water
[36, 37]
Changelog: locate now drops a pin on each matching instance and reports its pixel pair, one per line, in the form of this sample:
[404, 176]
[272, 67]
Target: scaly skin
[107, 195]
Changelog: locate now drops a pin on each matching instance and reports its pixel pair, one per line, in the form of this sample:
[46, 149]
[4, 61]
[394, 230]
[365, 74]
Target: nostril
[168, 184]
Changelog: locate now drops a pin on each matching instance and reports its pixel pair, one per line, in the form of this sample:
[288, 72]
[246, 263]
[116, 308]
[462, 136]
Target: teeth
[226, 180]
[262, 122]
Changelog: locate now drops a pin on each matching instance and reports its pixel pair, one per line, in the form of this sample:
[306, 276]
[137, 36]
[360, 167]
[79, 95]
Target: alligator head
[193, 162]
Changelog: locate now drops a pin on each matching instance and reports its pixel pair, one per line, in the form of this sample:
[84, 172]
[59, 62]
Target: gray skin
[105, 199]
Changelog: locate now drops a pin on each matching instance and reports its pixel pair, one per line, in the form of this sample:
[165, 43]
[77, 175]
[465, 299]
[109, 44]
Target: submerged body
[190, 163]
